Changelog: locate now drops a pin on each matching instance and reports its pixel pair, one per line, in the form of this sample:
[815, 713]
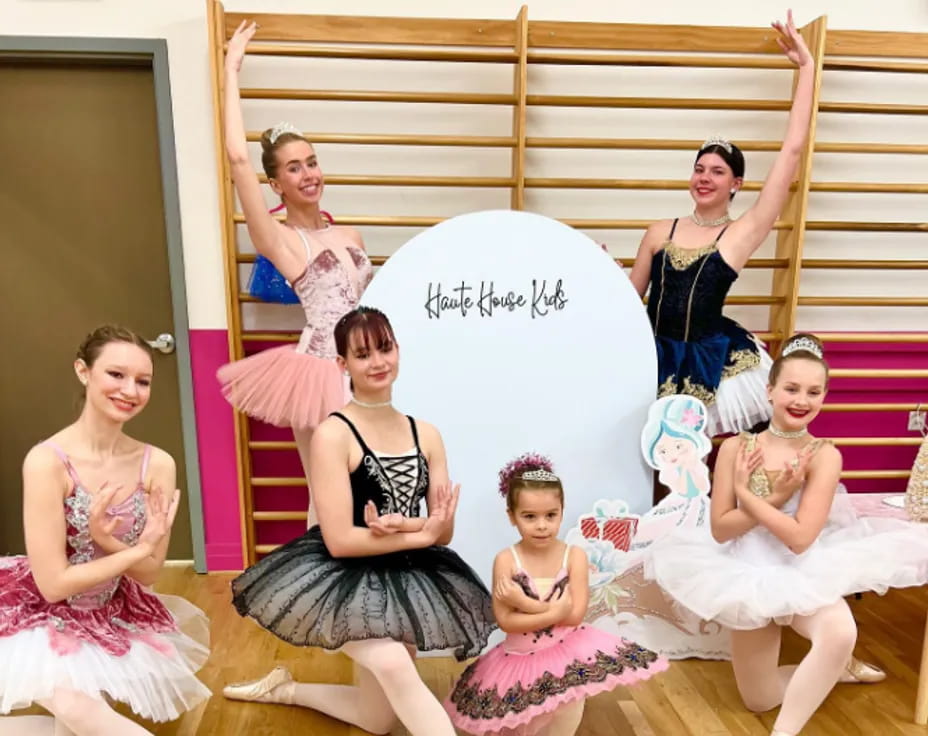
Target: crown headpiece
[717, 141]
[530, 466]
[803, 343]
[281, 128]
[542, 475]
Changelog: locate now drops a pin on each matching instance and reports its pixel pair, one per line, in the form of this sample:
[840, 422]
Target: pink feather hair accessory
[526, 462]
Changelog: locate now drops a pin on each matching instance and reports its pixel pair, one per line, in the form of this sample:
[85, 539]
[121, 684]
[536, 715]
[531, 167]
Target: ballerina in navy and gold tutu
[691, 263]
[372, 579]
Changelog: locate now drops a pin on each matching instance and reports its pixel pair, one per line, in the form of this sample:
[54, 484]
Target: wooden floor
[692, 698]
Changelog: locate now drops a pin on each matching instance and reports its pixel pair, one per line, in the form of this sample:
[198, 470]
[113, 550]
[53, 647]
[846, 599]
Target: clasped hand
[160, 512]
[440, 518]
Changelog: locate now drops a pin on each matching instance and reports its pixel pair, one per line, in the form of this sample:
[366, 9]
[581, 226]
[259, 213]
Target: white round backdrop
[518, 333]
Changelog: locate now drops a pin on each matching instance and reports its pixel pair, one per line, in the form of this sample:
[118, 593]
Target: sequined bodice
[329, 288]
[688, 290]
[80, 547]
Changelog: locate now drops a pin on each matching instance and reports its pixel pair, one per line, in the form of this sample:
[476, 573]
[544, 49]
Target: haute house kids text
[485, 299]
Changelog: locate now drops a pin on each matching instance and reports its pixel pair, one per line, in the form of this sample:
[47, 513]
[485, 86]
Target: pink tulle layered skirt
[523, 681]
[138, 648]
[284, 387]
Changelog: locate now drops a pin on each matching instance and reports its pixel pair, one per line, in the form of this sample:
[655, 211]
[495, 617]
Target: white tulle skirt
[741, 401]
[155, 678]
[756, 579]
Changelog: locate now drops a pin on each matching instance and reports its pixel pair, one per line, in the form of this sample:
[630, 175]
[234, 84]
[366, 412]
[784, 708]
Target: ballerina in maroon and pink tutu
[536, 681]
[78, 624]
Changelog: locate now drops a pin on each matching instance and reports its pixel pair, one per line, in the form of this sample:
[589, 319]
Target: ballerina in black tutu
[369, 579]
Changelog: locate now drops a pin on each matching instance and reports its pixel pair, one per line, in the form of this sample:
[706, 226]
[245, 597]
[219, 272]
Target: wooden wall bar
[524, 45]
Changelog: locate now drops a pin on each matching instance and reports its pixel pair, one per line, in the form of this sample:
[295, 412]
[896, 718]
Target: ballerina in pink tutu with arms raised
[536, 681]
[327, 266]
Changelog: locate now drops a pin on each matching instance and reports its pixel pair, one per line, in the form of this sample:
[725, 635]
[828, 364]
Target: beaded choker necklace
[784, 435]
[374, 405]
[723, 220]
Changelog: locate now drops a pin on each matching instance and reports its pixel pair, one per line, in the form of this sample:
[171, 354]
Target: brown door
[82, 242]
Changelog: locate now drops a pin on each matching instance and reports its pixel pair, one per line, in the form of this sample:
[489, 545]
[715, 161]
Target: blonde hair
[269, 149]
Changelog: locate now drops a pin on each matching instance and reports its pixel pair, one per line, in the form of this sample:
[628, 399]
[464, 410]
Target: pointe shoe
[259, 690]
[858, 672]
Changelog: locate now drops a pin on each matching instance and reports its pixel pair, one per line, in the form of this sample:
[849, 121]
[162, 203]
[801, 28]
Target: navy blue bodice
[697, 347]
[686, 303]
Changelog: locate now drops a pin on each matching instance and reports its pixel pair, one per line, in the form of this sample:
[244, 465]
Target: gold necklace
[784, 435]
[723, 220]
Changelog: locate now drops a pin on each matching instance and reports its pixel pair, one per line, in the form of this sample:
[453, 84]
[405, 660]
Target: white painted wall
[183, 24]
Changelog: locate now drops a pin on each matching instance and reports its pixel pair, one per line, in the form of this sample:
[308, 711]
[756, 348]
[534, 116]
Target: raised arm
[45, 528]
[266, 233]
[751, 229]
[328, 475]
[799, 532]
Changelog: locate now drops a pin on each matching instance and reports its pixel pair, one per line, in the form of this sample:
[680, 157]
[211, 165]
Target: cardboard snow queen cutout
[674, 443]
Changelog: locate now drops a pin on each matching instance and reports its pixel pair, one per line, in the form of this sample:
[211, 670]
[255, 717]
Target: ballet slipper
[259, 690]
[858, 672]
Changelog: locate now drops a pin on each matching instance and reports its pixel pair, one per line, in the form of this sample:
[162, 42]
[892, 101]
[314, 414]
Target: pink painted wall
[215, 434]
[874, 424]
[209, 349]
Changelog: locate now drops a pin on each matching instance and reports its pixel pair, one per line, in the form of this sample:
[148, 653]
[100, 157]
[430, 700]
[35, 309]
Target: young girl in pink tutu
[536, 681]
[78, 624]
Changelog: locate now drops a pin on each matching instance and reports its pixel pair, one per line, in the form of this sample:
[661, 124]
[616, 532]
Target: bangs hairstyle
[735, 159]
[798, 355]
[370, 327]
[519, 484]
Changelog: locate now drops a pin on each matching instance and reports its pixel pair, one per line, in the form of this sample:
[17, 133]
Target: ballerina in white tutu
[785, 548]
[78, 626]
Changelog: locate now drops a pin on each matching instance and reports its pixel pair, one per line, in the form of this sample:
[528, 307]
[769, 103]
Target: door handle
[164, 343]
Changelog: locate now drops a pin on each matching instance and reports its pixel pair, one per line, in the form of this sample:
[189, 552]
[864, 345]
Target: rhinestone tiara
[281, 128]
[539, 474]
[717, 141]
[803, 343]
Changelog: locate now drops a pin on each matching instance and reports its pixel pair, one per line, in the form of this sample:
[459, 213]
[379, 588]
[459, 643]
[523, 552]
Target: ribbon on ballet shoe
[861, 673]
[260, 690]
